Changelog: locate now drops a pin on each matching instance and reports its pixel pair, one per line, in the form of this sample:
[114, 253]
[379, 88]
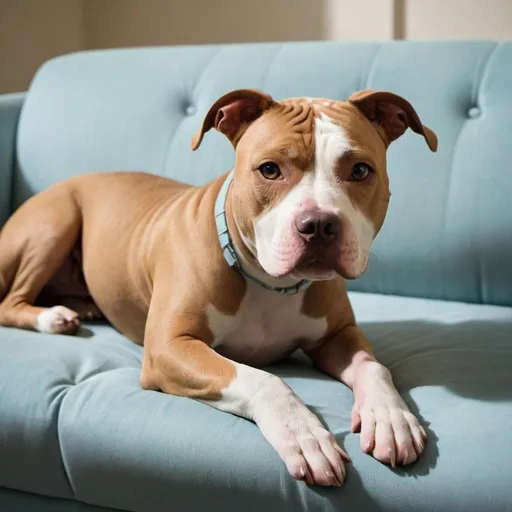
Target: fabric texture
[10, 107]
[75, 422]
[16, 501]
[76, 429]
[443, 238]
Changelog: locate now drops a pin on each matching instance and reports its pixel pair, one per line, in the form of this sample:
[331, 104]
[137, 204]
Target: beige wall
[111, 23]
[32, 31]
[359, 20]
[458, 19]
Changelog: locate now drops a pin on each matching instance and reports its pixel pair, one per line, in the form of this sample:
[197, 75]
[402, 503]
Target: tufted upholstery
[76, 430]
[137, 109]
[76, 425]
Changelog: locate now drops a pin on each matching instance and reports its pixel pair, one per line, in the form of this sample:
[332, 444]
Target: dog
[217, 281]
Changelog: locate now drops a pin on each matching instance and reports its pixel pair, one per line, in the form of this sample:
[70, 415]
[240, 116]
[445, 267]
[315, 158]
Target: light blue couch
[76, 431]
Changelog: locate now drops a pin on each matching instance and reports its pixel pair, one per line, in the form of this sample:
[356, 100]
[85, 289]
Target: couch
[77, 433]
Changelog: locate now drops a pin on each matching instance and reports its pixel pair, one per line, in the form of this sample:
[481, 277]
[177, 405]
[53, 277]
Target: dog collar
[227, 245]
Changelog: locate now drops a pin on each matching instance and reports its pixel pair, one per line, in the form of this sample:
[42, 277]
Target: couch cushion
[17, 501]
[136, 109]
[74, 422]
[10, 107]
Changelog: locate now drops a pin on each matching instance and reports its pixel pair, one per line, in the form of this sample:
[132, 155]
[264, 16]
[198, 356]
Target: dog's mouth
[321, 263]
[315, 271]
[309, 259]
[317, 263]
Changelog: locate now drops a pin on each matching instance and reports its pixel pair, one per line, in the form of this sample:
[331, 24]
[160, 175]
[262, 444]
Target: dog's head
[311, 187]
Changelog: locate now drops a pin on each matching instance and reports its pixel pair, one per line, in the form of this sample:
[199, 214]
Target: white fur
[266, 327]
[389, 429]
[274, 231]
[238, 396]
[51, 319]
[330, 195]
[256, 271]
[288, 425]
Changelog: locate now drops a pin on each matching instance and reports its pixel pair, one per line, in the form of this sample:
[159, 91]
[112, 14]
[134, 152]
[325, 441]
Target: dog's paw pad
[58, 320]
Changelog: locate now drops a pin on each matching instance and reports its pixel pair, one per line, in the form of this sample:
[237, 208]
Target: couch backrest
[449, 229]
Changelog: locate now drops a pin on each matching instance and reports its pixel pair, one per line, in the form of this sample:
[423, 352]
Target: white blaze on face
[277, 243]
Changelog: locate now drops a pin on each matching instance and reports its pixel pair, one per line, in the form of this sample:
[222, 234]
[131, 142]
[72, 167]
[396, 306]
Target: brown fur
[150, 255]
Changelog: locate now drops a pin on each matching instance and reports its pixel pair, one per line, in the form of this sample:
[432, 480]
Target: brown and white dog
[218, 280]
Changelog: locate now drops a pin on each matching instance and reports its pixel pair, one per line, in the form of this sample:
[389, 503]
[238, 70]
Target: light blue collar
[229, 251]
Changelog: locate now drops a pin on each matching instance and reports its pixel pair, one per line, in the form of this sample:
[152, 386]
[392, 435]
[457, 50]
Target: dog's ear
[392, 115]
[232, 113]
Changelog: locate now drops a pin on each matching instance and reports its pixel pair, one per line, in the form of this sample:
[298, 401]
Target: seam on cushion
[73, 503]
[168, 146]
[64, 394]
[482, 69]
[101, 373]
[213, 58]
[483, 72]
[450, 182]
[60, 396]
[178, 126]
[371, 70]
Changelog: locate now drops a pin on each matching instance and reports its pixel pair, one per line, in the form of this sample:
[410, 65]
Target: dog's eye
[360, 172]
[270, 171]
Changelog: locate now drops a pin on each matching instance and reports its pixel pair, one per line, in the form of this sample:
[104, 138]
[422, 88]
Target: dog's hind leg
[33, 245]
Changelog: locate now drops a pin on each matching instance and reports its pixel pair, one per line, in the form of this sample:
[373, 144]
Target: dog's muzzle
[316, 227]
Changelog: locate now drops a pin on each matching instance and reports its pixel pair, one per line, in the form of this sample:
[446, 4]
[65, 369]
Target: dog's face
[311, 187]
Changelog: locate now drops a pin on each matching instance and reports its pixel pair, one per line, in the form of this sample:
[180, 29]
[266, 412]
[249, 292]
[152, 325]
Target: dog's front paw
[310, 452]
[389, 431]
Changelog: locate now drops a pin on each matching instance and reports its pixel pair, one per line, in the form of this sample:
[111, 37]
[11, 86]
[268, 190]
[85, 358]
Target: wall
[458, 19]
[111, 23]
[32, 31]
[358, 20]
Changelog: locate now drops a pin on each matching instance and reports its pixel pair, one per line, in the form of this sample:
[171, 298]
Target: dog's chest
[266, 327]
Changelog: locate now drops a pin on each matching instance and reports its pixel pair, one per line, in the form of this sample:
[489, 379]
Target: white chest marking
[266, 327]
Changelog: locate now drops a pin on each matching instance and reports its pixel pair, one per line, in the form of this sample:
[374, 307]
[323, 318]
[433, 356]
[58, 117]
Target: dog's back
[113, 211]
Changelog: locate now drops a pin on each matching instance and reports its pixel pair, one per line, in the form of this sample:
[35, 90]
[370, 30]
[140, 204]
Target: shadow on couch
[471, 359]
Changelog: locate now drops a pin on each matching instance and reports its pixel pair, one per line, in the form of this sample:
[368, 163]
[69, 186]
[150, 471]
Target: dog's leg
[85, 308]
[185, 366]
[33, 246]
[389, 430]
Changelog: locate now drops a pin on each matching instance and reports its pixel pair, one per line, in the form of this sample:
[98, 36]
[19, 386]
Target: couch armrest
[10, 107]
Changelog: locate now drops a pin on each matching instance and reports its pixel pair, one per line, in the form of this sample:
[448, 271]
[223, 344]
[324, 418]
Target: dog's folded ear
[391, 115]
[232, 113]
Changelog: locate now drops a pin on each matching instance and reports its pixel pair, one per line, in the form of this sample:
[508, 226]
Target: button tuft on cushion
[190, 110]
[474, 112]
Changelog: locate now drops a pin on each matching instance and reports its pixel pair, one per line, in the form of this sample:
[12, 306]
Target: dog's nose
[318, 226]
